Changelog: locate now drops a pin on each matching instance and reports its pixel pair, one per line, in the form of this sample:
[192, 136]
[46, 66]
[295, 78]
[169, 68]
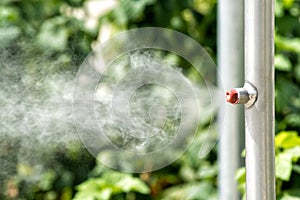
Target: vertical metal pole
[259, 71]
[231, 66]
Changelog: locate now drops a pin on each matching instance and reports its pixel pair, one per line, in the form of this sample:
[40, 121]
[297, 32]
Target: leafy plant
[110, 184]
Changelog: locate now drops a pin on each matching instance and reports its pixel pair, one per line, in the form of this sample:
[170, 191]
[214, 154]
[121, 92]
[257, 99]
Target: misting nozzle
[245, 95]
[232, 96]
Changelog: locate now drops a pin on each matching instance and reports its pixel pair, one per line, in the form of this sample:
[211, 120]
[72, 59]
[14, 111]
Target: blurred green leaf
[288, 3]
[287, 139]
[204, 6]
[282, 63]
[240, 175]
[110, 183]
[190, 191]
[290, 195]
[47, 180]
[92, 189]
[279, 11]
[207, 171]
[125, 182]
[8, 15]
[284, 162]
[53, 35]
[187, 173]
[292, 153]
[283, 166]
[243, 154]
[287, 44]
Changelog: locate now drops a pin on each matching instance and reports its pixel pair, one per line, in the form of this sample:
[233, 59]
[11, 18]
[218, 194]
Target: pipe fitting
[246, 95]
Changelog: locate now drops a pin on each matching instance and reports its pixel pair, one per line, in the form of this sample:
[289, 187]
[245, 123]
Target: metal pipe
[230, 62]
[259, 71]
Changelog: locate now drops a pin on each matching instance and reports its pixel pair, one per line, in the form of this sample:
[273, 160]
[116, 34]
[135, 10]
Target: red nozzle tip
[232, 96]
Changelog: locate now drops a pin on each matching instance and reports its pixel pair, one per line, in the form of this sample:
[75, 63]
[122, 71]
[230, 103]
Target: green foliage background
[47, 30]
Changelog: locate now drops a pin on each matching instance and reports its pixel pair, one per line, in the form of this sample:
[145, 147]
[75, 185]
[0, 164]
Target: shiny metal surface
[259, 71]
[231, 74]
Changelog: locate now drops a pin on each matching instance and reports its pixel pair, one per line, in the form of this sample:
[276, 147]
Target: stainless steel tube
[231, 68]
[259, 71]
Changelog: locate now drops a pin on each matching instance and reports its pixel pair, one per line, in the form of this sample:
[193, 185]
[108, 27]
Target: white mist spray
[35, 110]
